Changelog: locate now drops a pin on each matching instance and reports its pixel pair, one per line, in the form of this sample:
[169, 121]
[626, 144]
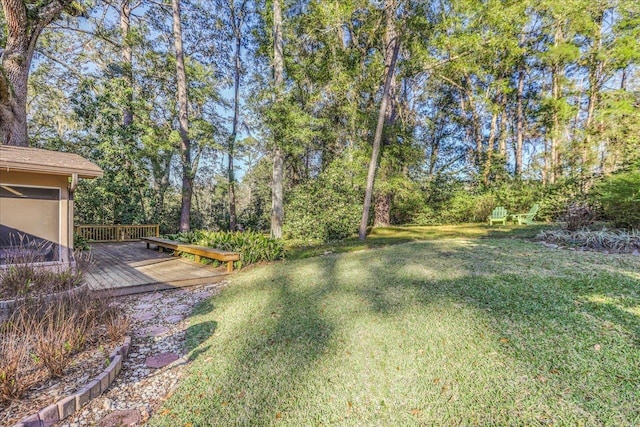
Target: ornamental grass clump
[43, 334]
[14, 359]
[610, 240]
[21, 280]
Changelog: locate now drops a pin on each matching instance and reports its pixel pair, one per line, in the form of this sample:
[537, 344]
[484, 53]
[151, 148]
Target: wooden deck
[127, 268]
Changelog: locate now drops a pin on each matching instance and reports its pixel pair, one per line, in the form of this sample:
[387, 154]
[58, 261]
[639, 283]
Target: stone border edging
[7, 305]
[60, 410]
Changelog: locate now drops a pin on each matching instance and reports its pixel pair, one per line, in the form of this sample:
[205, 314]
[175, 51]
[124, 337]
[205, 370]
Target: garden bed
[85, 366]
[55, 337]
[604, 240]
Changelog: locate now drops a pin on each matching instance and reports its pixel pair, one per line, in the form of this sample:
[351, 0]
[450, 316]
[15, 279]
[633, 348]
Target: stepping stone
[174, 319]
[180, 308]
[151, 297]
[143, 306]
[154, 331]
[129, 417]
[161, 360]
[143, 316]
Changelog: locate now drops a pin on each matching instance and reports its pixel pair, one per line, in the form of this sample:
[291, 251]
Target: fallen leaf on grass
[278, 415]
[416, 411]
[349, 404]
[165, 412]
[597, 347]
[504, 340]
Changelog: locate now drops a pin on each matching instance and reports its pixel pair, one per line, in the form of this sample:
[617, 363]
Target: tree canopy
[199, 118]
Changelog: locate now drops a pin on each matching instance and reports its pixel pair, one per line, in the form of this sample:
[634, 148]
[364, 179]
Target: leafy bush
[80, 243]
[324, 209]
[619, 196]
[426, 216]
[253, 246]
[467, 207]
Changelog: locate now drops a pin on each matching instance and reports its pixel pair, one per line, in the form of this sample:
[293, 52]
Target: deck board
[129, 267]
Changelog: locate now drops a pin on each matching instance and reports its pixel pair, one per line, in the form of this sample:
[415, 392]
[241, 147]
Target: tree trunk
[595, 72]
[277, 185]
[382, 200]
[490, 147]
[390, 8]
[22, 32]
[519, 123]
[183, 119]
[14, 72]
[234, 127]
[502, 138]
[382, 210]
[277, 194]
[127, 61]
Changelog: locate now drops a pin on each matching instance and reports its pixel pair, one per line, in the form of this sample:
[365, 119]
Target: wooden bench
[161, 243]
[196, 250]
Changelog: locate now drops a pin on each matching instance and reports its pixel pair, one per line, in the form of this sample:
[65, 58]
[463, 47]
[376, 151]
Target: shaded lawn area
[442, 332]
[385, 236]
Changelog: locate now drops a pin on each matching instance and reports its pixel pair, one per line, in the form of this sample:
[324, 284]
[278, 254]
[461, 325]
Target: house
[36, 204]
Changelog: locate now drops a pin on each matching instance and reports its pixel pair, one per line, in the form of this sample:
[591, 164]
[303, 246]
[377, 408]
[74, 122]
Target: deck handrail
[116, 232]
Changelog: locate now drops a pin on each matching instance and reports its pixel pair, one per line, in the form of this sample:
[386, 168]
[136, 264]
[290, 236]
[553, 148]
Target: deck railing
[117, 233]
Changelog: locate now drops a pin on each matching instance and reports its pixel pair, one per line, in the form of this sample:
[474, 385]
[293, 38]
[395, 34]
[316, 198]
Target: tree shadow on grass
[273, 332]
[578, 330]
[269, 354]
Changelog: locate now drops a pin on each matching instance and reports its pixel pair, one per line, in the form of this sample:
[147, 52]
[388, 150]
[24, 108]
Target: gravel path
[156, 361]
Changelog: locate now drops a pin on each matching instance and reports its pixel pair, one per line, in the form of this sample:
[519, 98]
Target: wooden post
[157, 230]
[229, 266]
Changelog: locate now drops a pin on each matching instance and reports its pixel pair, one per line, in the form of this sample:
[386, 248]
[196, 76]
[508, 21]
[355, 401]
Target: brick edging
[60, 410]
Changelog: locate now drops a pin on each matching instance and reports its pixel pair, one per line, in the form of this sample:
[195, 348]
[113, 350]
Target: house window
[29, 224]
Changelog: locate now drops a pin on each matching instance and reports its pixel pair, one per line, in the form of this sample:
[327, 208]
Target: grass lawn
[460, 331]
[385, 236]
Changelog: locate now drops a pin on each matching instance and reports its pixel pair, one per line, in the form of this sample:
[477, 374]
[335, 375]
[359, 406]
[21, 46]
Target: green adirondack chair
[499, 215]
[526, 219]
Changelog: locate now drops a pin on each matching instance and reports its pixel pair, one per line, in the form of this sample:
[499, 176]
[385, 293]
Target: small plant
[117, 325]
[60, 332]
[80, 243]
[14, 356]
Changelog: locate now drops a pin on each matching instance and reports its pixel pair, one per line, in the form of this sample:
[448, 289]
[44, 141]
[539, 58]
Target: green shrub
[426, 216]
[80, 243]
[252, 245]
[619, 196]
[324, 209]
[468, 207]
